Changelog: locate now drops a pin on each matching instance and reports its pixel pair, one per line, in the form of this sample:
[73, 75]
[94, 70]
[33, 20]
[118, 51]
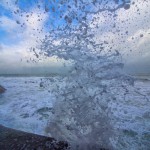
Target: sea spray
[82, 111]
[82, 116]
[88, 98]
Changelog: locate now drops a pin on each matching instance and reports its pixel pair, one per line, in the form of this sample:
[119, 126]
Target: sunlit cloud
[26, 29]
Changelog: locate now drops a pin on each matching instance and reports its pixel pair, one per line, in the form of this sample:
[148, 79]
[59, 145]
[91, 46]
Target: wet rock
[11, 139]
[41, 84]
[2, 89]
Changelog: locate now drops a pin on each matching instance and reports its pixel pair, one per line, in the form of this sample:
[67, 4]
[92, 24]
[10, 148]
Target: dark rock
[2, 89]
[41, 84]
[11, 139]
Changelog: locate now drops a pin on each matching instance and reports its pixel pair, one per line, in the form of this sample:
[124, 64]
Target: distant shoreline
[62, 74]
[30, 75]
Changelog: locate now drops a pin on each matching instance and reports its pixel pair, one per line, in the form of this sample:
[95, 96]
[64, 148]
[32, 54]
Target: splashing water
[83, 113]
[86, 98]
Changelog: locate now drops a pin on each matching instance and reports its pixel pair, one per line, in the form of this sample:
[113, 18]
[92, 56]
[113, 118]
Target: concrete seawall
[11, 139]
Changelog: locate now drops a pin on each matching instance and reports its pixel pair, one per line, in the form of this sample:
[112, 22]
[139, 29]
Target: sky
[21, 26]
[24, 23]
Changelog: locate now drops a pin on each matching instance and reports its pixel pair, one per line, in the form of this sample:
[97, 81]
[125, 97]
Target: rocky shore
[11, 139]
[2, 89]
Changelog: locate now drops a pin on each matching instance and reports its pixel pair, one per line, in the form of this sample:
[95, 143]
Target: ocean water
[27, 105]
[96, 105]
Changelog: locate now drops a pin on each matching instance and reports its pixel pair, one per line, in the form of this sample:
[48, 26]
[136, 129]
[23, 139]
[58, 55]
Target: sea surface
[27, 105]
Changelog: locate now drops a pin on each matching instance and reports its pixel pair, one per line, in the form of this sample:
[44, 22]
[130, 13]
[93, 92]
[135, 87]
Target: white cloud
[131, 33]
[9, 4]
[25, 37]
[7, 24]
[135, 21]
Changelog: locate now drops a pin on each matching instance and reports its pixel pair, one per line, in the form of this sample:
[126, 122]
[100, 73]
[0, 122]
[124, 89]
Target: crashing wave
[83, 113]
